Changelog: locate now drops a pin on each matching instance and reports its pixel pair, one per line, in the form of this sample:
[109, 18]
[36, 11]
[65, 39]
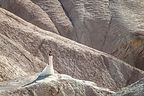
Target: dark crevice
[23, 54]
[66, 12]
[6, 35]
[31, 92]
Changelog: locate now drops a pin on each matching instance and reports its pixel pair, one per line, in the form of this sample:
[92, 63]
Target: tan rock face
[70, 57]
[15, 61]
[135, 89]
[55, 11]
[89, 19]
[132, 52]
[56, 85]
[30, 12]
[8, 70]
[106, 25]
[126, 31]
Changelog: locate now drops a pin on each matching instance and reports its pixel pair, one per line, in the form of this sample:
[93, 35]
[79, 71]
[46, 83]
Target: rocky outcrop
[91, 20]
[135, 89]
[71, 58]
[111, 26]
[15, 61]
[132, 52]
[57, 14]
[126, 24]
[8, 70]
[29, 12]
[56, 85]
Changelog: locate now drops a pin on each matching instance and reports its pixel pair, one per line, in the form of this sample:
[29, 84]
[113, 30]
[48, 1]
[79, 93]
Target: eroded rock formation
[72, 58]
[112, 26]
[57, 14]
[125, 39]
[15, 61]
[29, 12]
[56, 85]
[135, 89]
[106, 25]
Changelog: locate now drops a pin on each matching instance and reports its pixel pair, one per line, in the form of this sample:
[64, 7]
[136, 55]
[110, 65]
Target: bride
[48, 70]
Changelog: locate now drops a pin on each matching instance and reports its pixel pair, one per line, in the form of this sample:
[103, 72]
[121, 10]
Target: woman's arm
[48, 60]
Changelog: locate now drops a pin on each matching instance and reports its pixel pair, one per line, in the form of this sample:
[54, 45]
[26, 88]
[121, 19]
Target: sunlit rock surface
[70, 58]
[55, 85]
[29, 12]
[112, 26]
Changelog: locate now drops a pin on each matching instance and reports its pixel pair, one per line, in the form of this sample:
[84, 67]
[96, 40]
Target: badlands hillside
[97, 42]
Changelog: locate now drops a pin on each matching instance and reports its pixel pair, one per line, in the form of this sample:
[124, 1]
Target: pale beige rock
[125, 38]
[15, 61]
[70, 57]
[8, 70]
[55, 11]
[91, 19]
[30, 12]
[112, 26]
[56, 85]
[135, 89]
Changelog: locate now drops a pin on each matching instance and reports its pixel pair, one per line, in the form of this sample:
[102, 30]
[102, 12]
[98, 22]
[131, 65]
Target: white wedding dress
[48, 70]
